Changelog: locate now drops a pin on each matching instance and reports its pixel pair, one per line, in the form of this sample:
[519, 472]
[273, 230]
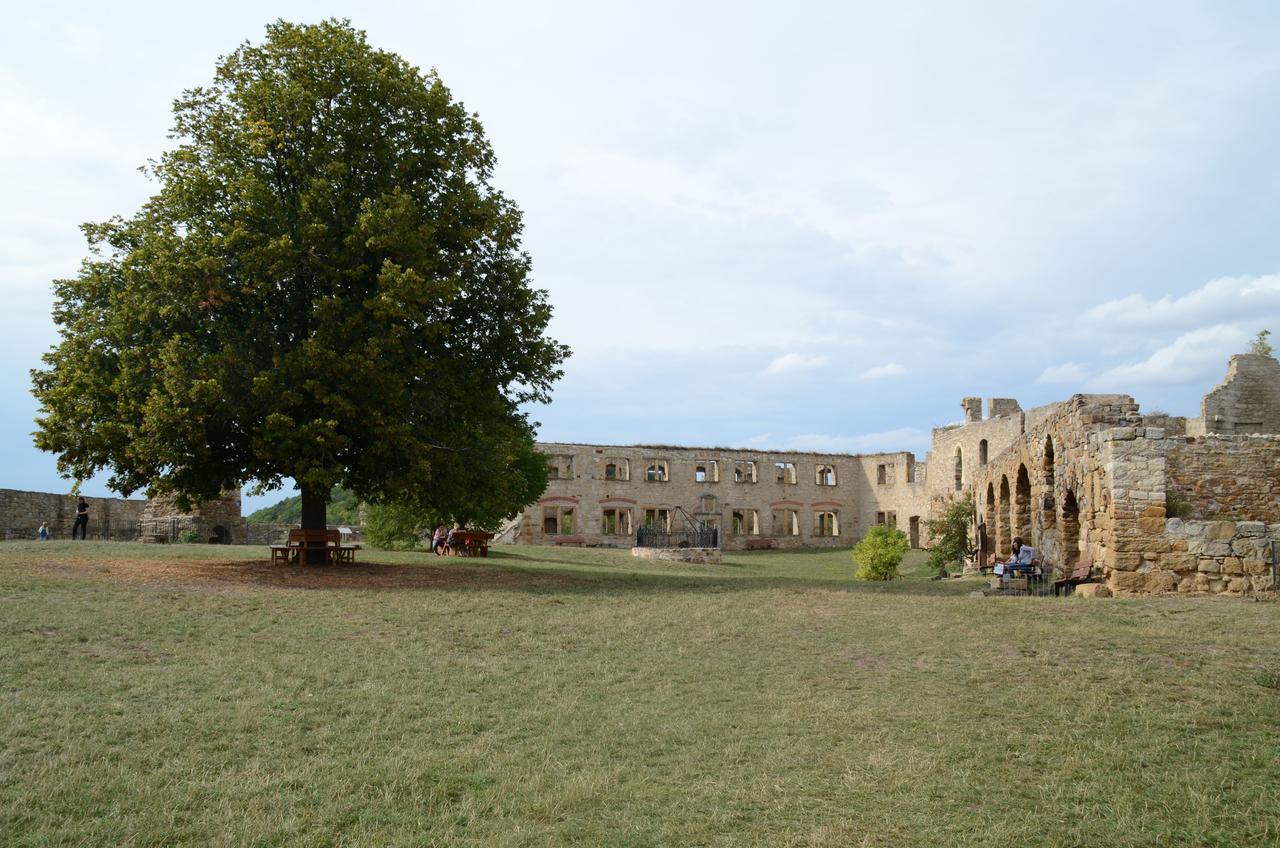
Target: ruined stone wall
[218, 520]
[1206, 556]
[998, 431]
[859, 496]
[1248, 398]
[1052, 486]
[1235, 477]
[21, 514]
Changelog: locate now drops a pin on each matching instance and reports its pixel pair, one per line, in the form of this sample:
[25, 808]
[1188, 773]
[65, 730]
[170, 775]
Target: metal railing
[652, 537]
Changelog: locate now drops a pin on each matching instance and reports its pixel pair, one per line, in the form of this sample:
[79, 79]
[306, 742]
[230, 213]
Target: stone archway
[1048, 504]
[1070, 532]
[1004, 540]
[989, 521]
[1021, 517]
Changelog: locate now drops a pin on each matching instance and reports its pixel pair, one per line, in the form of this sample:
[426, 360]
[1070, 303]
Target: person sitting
[437, 540]
[1006, 569]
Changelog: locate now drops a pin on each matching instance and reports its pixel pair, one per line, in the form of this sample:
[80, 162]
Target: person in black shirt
[82, 520]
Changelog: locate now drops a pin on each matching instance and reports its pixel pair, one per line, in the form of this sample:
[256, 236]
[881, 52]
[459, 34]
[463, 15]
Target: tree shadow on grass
[585, 573]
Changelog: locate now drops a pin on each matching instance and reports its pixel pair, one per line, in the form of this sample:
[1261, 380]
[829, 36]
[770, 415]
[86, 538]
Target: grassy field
[174, 695]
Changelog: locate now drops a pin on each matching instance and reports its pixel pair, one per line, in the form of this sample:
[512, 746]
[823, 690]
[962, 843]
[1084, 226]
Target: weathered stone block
[1178, 561]
[1126, 560]
[1092, 590]
[1208, 566]
[1222, 530]
[1251, 528]
[1127, 581]
[1232, 565]
[1238, 584]
[1162, 581]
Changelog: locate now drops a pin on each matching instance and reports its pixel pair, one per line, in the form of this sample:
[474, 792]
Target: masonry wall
[218, 520]
[961, 445]
[1235, 477]
[21, 514]
[1248, 398]
[859, 497]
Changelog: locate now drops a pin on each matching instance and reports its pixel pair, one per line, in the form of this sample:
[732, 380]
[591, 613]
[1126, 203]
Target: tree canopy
[325, 287]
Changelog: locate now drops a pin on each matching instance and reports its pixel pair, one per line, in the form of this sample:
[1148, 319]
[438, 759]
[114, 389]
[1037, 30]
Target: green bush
[949, 535]
[878, 554]
[189, 537]
[394, 526]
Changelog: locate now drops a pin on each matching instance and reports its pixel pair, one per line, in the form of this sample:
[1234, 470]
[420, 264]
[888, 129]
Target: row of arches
[1008, 512]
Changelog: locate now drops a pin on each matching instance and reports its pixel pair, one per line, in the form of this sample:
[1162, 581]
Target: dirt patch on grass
[214, 574]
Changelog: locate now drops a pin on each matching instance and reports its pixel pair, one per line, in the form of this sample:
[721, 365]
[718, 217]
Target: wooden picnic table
[301, 543]
[469, 543]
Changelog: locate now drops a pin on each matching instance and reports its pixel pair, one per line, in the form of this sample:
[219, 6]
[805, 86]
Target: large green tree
[326, 287]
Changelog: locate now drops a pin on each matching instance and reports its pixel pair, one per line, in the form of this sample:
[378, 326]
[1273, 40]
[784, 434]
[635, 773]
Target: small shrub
[189, 537]
[878, 554]
[1260, 345]
[949, 535]
[1176, 506]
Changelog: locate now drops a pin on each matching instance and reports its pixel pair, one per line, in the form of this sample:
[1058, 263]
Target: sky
[794, 226]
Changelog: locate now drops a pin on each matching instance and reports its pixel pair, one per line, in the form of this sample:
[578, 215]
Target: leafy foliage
[878, 553]
[949, 535]
[344, 508]
[326, 287]
[394, 526]
[1260, 345]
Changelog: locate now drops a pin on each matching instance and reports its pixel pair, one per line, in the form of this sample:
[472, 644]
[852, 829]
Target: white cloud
[1192, 357]
[1067, 372]
[795, 362]
[881, 372]
[1219, 301]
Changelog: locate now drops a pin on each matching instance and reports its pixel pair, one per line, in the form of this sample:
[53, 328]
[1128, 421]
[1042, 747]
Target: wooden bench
[296, 548]
[469, 543]
[761, 544]
[1082, 573]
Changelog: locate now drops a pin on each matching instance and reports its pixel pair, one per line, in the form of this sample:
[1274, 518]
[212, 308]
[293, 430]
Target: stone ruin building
[217, 521]
[601, 495]
[1155, 503]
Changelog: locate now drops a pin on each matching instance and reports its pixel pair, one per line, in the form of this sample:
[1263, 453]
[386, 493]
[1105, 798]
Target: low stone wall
[1234, 477]
[1205, 556]
[21, 514]
[698, 555]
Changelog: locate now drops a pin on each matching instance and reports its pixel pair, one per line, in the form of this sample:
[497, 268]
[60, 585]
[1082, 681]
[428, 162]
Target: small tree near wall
[950, 535]
[1260, 345]
[878, 554]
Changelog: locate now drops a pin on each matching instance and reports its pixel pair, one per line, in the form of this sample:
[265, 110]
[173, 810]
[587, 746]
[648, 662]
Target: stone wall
[1226, 476]
[1248, 398]
[696, 555]
[1206, 556]
[597, 487]
[21, 514]
[218, 520]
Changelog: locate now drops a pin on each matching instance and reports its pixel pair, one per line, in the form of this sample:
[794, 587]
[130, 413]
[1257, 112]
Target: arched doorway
[1004, 540]
[989, 520]
[1022, 505]
[1048, 503]
[1070, 532]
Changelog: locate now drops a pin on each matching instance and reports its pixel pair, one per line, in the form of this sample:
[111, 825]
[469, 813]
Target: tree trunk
[314, 504]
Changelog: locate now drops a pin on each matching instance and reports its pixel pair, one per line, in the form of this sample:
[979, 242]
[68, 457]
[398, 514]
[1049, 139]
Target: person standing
[43, 532]
[82, 520]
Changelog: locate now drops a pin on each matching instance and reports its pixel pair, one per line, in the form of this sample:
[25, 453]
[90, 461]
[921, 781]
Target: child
[44, 531]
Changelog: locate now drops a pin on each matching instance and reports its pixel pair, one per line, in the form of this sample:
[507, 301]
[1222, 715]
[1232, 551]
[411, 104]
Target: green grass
[580, 697]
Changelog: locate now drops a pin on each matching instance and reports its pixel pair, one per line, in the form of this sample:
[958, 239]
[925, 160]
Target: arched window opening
[1070, 532]
[1048, 504]
[982, 452]
[959, 469]
[1022, 506]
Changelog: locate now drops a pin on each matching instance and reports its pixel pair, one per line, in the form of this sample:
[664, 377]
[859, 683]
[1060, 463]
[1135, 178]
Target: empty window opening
[746, 522]
[911, 469]
[1048, 504]
[744, 471]
[786, 522]
[656, 470]
[913, 532]
[709, 522]
[884, 474]
[786, 472]
[616, 522]
[707, 503]
[557, 521]
[888, 519]
[825, 475]
[706, 471]
[617, 469]
[560, 467]
[982, 452]
[826, 523]
[657, 519]
[959, 470]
